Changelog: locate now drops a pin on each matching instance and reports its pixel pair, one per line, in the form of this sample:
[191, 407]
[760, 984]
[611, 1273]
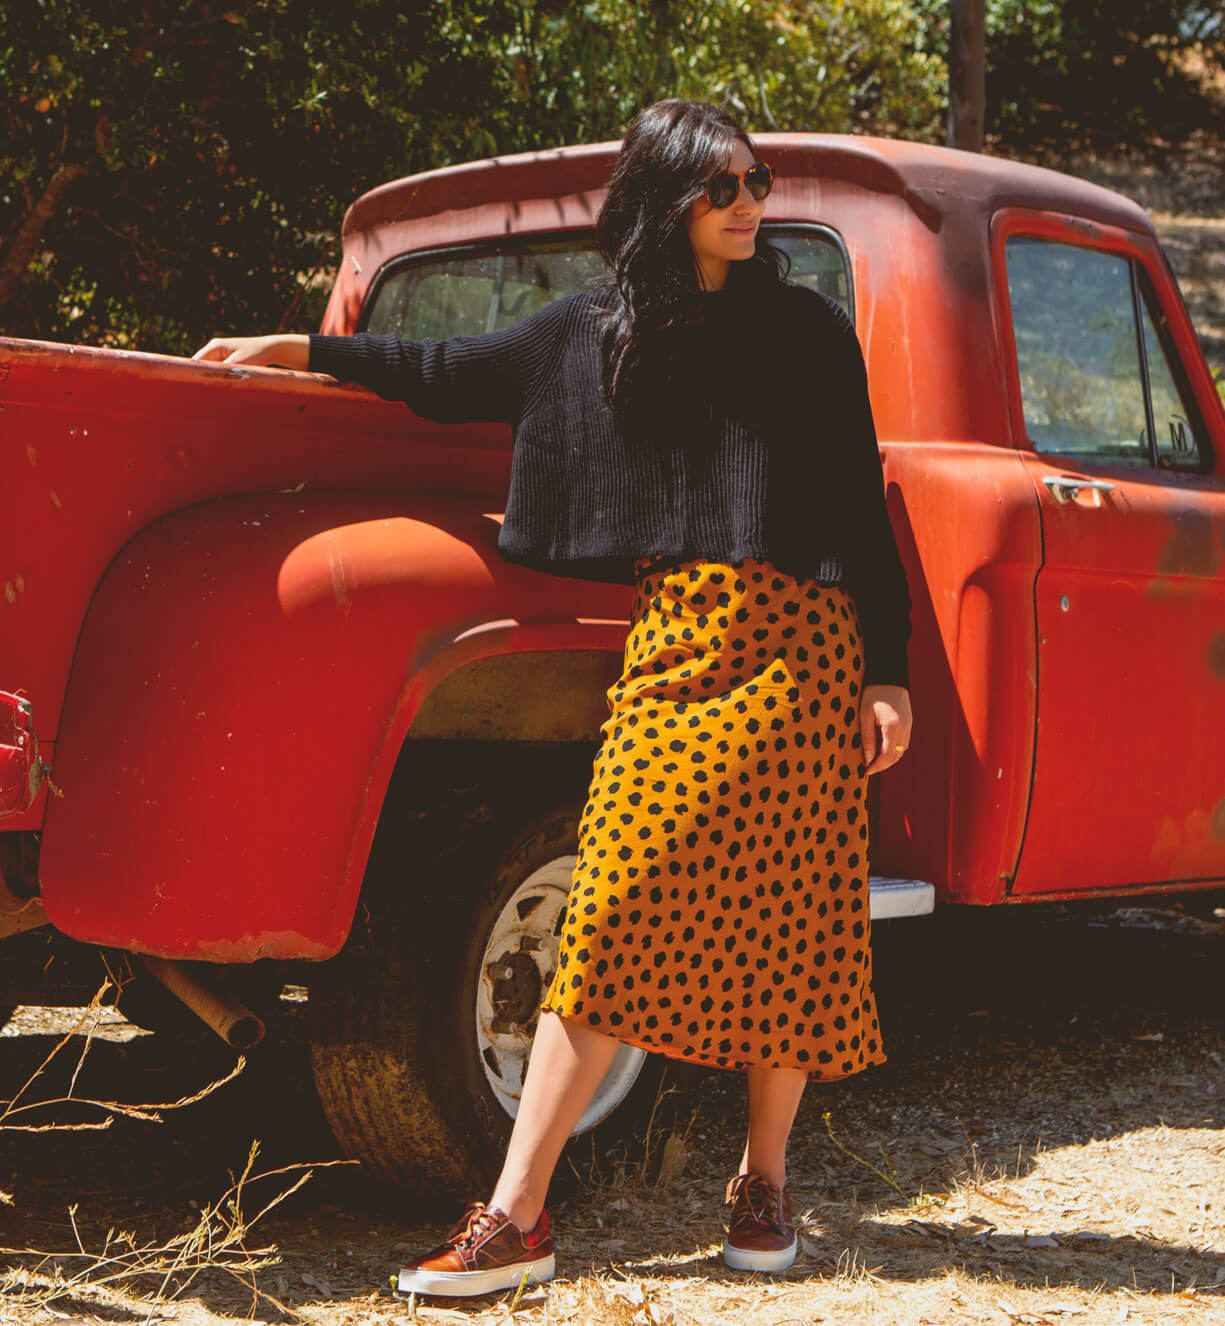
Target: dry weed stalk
[852, 1270]
[9, 1109]
[673, 1152]
[12, 1107]
[889, 1175]
[217, 1243]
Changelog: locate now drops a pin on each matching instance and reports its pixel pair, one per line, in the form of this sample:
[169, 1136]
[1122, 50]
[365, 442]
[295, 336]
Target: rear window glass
[481, 288]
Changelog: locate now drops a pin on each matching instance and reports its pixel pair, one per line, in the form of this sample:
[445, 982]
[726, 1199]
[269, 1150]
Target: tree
[967, 74]
[173, 168]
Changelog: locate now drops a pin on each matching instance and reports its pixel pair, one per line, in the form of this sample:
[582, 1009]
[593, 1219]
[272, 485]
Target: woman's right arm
[462, 379]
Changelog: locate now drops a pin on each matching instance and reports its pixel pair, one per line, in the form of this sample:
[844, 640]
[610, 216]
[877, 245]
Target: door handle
[1065, 489]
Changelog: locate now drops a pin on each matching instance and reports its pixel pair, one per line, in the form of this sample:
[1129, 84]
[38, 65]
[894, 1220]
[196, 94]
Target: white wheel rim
[516, 970]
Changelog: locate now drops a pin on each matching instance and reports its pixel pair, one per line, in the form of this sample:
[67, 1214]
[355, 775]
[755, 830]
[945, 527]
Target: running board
[899, 897]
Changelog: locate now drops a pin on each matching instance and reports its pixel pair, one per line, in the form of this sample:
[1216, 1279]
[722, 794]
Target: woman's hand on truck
[280, 351]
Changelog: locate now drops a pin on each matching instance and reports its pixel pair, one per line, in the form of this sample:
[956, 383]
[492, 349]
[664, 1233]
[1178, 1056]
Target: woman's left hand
[886, 707]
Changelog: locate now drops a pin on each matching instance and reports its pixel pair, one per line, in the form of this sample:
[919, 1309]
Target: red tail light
[21, 770]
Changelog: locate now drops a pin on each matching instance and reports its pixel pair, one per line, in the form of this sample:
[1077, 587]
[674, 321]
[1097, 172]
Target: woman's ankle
[776, 1176]
[522, 1208]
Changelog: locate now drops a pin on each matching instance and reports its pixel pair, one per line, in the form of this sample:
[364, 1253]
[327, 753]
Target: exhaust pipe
[231, 1019]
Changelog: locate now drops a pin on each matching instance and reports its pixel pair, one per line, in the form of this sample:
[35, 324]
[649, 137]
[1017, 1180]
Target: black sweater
[776, 459]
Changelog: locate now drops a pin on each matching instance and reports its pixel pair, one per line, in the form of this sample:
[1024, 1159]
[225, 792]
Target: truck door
[1129, 775]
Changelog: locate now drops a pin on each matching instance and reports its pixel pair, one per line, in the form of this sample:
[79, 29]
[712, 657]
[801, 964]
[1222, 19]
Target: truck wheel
[422, 1025]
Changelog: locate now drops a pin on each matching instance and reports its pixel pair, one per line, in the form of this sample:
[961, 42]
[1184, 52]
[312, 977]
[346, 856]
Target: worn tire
[394, 1041]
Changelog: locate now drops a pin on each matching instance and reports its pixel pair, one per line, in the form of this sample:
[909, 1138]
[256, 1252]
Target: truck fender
[247, 673]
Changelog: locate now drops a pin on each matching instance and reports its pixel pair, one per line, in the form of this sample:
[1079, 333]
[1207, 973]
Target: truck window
[1177, 423]
[476, 288]
[1097, 381]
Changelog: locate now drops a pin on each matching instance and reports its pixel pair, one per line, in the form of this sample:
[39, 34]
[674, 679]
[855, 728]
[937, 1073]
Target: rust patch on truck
[1216, 655]
[248, 948]
[1191, 549]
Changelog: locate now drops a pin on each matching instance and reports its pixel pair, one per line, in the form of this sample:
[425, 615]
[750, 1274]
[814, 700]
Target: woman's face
[725, 234]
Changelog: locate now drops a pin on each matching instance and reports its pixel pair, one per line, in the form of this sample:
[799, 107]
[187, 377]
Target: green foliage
[1091, 73]
[173, 169]
[835, 67]
[217, 150]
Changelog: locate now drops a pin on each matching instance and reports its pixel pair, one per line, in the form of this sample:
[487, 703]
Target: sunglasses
[724, 188]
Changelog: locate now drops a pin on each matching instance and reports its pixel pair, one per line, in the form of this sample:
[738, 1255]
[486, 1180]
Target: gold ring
[899, 748]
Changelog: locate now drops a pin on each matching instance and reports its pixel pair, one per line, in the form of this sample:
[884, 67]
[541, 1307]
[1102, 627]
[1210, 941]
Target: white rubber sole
[746, 1259]
[462, 1284]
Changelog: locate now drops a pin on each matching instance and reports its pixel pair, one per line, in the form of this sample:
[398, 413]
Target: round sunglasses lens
[723, 189]
[759, 180]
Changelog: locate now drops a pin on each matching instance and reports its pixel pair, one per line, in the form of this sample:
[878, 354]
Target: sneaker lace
[754, 1202]
[475, 1223]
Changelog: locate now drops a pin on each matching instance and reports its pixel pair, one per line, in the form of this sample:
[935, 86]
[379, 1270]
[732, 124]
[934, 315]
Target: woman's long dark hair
[669, 151]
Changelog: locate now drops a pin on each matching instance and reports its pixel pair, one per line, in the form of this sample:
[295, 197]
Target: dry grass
[143, 1278]
[1037, 1150]
[85, 1024]
[122, 1275]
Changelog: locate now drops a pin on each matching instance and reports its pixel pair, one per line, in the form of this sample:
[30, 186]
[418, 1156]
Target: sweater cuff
[886, 666]
[331, 354]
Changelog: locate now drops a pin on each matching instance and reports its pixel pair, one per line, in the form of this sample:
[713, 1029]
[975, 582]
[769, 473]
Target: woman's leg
[567, 1063]
[774, 1097]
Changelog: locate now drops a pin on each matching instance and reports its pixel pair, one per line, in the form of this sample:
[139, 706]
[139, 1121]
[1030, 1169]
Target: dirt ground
[1045, 1143]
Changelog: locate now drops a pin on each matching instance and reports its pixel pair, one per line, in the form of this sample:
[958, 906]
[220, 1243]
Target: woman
[700, 428]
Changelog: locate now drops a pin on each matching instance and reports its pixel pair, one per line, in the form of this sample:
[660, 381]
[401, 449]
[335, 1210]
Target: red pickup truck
[304, 721]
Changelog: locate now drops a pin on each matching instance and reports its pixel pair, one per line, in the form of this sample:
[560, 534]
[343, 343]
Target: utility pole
[967, 74]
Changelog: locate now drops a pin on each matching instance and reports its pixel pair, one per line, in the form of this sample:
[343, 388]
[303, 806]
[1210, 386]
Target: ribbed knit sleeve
[874, 570]
[463, 379]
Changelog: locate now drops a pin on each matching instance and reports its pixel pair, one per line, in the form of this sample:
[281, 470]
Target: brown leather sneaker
[760, 1235]
[482, 1253]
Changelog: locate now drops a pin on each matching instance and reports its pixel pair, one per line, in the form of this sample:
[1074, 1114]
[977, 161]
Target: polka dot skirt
[719, 904]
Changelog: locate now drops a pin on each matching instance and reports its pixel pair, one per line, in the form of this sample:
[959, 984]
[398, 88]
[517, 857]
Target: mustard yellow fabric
[719, 906]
